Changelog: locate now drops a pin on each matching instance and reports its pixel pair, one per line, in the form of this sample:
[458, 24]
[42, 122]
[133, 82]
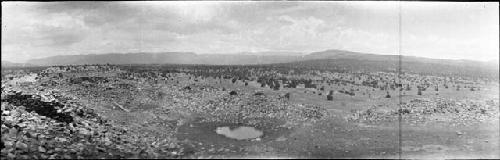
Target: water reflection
[239, 133]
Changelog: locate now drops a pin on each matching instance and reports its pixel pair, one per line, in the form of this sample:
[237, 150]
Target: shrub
[233, 93]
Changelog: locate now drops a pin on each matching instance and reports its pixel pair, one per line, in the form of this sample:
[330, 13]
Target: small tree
[329, 97]
[287, 96]
[419, 92]
[277, 86]
[233, 93]
[271, 85]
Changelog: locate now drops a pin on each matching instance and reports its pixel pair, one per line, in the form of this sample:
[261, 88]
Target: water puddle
[224, 134]
[239, 133]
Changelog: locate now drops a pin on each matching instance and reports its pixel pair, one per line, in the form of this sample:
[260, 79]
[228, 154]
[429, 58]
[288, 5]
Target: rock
[22, 125]
[62, 139]
[85, 131]
[8, 118]
[10, 155]
[41, 149]
[43, 156]
[52, 156]
[21, 145]
[13, 132]
[9, 144]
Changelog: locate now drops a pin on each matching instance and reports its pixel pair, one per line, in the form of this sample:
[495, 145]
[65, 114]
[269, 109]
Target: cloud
[34, 29]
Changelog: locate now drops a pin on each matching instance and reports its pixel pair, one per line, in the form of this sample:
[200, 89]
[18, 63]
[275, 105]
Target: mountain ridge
[228, 59]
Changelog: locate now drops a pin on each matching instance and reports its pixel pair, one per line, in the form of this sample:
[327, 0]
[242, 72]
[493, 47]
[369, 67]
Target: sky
[445, 30]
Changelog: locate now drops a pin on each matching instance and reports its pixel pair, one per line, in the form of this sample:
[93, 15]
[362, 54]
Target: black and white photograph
[250, 80]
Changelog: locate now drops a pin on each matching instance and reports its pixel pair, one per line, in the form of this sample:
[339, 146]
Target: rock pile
[30, 103]
[34, 129]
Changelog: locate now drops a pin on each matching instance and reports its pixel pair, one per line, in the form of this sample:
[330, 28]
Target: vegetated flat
[303, 111]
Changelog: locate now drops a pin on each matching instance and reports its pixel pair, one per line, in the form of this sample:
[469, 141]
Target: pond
[239, 133]
[226, 133]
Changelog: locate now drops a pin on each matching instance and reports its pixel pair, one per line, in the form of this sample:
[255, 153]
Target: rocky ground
[428, 110]
[56, 117]
[76, 121]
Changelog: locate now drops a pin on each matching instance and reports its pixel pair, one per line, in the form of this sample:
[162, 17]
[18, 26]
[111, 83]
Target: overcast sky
[435, 30]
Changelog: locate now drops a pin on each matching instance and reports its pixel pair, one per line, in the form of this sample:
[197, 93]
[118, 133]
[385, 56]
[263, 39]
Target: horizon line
[245, 52]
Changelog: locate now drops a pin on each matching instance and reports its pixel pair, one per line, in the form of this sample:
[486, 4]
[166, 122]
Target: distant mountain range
[328, 58]
[171, 58]
[12, 64]
[355, 61]
[229, 59]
